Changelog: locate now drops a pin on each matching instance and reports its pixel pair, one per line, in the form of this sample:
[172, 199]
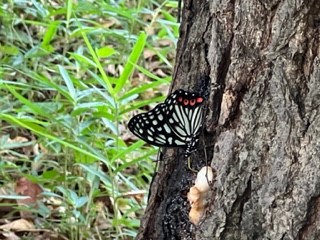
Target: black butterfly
[174, 123]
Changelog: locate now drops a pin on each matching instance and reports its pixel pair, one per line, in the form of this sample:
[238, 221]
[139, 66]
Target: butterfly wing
[184, 113]
[174, 123]
[152, 127]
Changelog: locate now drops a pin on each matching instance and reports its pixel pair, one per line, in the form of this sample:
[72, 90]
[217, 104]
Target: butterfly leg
[189, 165]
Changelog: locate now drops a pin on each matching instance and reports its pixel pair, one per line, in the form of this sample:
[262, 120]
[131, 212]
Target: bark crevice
[233, 219]
[309, 228]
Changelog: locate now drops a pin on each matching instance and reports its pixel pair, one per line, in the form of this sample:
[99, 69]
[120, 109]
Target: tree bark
[260, 61]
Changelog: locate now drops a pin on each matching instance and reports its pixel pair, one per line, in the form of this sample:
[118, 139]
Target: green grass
[71, 75]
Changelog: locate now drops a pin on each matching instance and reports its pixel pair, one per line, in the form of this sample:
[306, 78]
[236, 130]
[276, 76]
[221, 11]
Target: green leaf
[33, 107]
[105, 52]
[98, 64]
[10, 50]
[140, 89]
[132, 60]
[122, 153]
[26, 123]
[69, 11]
[96, 172]
[50, 33]
[143, 103]
[148, 154]
[81, 201]
[68, 82]
[83, 59]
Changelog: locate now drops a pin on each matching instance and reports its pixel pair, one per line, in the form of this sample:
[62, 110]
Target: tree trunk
[262, 126]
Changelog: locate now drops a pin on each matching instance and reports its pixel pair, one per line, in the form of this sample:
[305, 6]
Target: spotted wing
[174, 123]
[184, 114]
[153, 128]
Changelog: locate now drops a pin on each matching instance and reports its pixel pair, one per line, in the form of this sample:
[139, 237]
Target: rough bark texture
[262, 131]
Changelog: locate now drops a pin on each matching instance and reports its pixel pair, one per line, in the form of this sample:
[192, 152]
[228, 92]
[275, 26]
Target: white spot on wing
[160, 140]
[162, 136]
[178, 142]
[166, 127]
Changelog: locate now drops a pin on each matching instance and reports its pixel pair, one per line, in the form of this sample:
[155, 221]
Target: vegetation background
[72, 73]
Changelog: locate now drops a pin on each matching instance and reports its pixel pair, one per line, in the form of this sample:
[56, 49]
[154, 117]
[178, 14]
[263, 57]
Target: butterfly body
[174, 123]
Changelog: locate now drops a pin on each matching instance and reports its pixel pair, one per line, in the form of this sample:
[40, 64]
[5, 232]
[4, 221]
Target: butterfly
[174, 123]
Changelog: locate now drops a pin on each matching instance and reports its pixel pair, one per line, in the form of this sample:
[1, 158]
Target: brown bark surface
[262, 131]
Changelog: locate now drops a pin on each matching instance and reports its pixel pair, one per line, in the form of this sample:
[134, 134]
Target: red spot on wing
[199, 100]
[180, 99]
[185, 102]
[192, 102]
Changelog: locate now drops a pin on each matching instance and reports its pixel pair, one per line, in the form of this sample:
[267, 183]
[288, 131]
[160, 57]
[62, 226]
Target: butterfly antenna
[152, 180]
[159, 155]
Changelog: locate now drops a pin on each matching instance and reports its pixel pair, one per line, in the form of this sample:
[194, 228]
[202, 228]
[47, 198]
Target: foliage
[71, 75]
